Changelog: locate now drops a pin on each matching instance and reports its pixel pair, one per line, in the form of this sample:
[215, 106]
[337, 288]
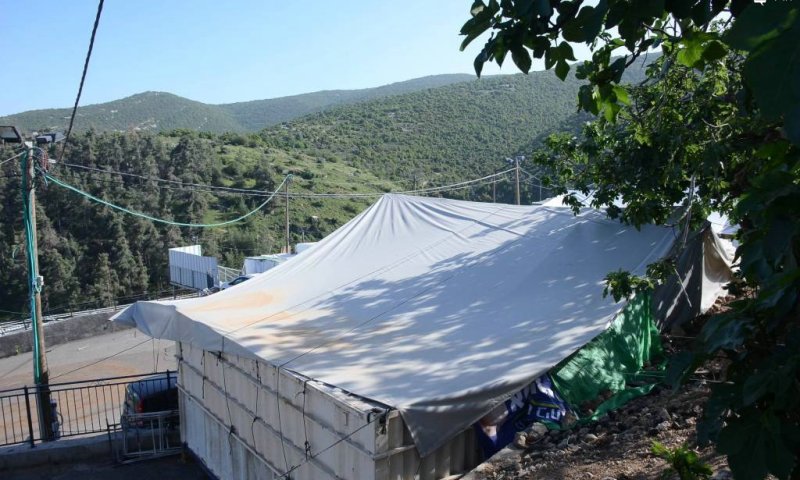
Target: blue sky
[224, 51]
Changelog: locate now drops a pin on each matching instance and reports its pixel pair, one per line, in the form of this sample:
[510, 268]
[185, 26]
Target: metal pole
[40, 372]
[516, 159]
[288, 244]
[494, 187]
[30, 421]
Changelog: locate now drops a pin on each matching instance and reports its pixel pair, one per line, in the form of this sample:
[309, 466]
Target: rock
[590, 438]
[723, 475]
[565, 442]
[663, 426]
[663, 415]
[569, 419]
[536, 430]
[554, 433]
[520, 440]
[583, 431]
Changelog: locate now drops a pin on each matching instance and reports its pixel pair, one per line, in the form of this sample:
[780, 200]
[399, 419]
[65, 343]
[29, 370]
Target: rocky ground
[618, 446]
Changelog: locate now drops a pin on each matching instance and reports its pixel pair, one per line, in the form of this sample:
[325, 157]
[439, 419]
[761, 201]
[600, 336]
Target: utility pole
[41, 375]
[288, 244]
[494, 187]
[516, 159]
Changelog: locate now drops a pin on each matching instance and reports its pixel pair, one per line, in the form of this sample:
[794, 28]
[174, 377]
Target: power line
[12, 158]
[83, 77]
[156, 219]
[186, 188]
[102, 359]
[260, 193]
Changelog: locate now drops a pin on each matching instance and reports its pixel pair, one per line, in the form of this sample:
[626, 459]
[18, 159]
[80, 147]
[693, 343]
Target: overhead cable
[12, 158]
[83, 77]
[262, 193]
[63, 184]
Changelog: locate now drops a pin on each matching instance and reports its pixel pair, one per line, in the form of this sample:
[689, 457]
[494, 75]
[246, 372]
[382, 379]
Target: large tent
[438, 308]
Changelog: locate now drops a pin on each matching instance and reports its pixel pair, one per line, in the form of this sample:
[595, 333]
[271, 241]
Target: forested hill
[148, 111]
[90, 253]
[160, 111]
[441, 134]
[257, 114]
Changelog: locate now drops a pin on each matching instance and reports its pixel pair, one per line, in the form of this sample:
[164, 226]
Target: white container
[247, 419]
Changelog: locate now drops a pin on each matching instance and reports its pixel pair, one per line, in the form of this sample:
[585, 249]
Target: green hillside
[257, 114]
[160, 111]
[440, 134]
[414, 140]
[450, 132]
[148, 111]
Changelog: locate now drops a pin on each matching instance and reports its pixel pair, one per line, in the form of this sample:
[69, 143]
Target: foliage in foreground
[682, 461]
[717, 125]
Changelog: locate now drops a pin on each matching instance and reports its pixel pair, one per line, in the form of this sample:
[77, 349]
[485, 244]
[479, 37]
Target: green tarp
[606, 366]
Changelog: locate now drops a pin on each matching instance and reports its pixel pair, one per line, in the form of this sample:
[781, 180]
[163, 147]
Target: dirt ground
[618, 446]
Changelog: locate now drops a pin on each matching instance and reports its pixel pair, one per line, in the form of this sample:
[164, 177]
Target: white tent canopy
[439, 308]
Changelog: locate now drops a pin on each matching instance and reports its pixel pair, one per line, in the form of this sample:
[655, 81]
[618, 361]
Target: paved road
[131, 353]
[162, 468]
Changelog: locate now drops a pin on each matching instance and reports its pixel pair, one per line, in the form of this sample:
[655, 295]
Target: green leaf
[755, 445]
[701, 12]
[791, 125]
[680, 366]
[477, 7]
[622, 95]
[587, 25]
[562, 69]
[565, 51]
[542, 8]
[758, 24]
[679, 8]
[714, 50]
[691, 53]
[723, 332]
[521, 58]
[478, 63]
[773, 73]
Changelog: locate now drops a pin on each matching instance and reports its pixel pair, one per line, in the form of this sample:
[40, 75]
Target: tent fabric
[611, 361]
[702, 270]
[439, 308]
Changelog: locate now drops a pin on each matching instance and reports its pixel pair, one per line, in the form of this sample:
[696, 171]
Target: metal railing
[63, 312]
[82, 407]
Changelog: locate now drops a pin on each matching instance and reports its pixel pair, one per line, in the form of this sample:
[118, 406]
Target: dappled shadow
[454, 305]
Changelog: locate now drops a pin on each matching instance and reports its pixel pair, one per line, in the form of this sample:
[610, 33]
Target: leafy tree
[716, 125]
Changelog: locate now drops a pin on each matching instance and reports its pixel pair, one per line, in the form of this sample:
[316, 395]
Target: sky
[225, 51]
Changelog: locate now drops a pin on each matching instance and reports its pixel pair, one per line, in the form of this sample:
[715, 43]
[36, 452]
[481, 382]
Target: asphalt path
[127, 352]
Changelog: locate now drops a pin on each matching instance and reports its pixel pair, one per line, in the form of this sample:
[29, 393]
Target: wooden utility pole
[288, 244]
[516, 159]
[41, 375]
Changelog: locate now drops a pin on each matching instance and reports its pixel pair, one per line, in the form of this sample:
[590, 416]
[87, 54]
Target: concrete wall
[247, 419]
[61, 331]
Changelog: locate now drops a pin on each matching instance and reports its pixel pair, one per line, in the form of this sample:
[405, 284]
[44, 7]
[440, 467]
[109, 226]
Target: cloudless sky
[224, 51]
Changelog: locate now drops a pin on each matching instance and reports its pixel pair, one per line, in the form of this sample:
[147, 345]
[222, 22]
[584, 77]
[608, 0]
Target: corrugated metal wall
[222, 391]
[189, 269]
